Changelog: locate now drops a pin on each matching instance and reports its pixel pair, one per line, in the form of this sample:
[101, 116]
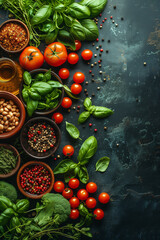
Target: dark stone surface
[133, 91]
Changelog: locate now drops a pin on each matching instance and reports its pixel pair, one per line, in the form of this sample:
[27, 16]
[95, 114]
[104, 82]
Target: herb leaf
[87, 103]
[83, 174]
[83, 117]
[102, 112]
[63, 166]
[102, 164]
[72, 130]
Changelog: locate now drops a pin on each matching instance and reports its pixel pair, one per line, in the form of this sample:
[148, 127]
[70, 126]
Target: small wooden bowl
[43, 112]
[29, 195]
[17, 101]
[16, 154]
[26, 29]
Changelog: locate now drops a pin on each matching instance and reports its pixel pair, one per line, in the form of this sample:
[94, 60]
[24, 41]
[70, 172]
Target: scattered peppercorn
[93, 44]
[102, 39]
[90, 71]
[100, 54]
[85, 90]
[97, 48]
[107, 51]
[95, 55]
[98, 88]
[100, 72]
[109, 41]
[116, 25]
[122, 18]
[93, 94]
[92, 80]
[95, 130]
[105, 128]
[90, 124]
[92, 74]
[144, 63]
[100, 65]
[114, 7]
[86, 83]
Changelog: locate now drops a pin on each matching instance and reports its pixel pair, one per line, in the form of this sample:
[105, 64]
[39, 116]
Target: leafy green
[83, 175]
[63, 166]
[72, 130]
[66, 38]
[31, 106]
[102, 164]
[77, 30]
[42, 15]
[95, 6]
[90, 29]
[8, 190]
[83, 117]
[78, 11]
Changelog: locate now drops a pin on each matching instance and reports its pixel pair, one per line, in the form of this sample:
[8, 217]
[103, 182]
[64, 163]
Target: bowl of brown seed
[40, 137]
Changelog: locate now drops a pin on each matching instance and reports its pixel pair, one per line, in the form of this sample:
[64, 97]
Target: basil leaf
[77, 31]
[68, 91]
[102, 164]
[31, 106]
[42, 88]
[78, 11]
[83, 117]
[83, 174]
[60, 7]
[90, 29]
[55, 84]
[87, 150]
[72, 130]
[91, 109]
[66, 38]
[51, 36]
[95, 6]
[68, 20]
[42, 15]
[27, 78]
[102, 112]
[87, 103]
[59, 19]
[25, 94]
[63, 166]
[47, 26]
[68, 175]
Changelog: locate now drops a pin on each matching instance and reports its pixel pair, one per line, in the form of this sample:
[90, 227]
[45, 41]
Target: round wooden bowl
[16, 154]
[29, 195]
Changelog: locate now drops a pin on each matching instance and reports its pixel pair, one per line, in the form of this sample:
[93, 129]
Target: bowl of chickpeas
[12, 114]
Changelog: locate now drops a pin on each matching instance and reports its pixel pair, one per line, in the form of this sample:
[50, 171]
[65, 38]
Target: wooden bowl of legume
[9, 160]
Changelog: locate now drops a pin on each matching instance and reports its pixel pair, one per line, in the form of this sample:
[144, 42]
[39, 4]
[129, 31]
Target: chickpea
[6, 123]
[4, 113]
[2, 122]
[1, 110]
[6, 109]
[11, 102]
[9, 106]
[16, 123]
[5, 118]
[11, 114]
[1, 127]
[18, 114]
[4, 104]
[9, 129]
[13, 127]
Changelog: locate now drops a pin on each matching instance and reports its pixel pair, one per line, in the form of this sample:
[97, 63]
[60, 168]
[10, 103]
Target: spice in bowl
[35, 179]
[41, 137]
[8, 161]
[9, 115]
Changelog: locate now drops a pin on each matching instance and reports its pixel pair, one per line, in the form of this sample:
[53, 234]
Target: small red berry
[95, 129]
[90, 124]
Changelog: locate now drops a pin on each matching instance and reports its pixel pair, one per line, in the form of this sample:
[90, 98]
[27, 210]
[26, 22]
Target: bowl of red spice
[14, 36]
[34, 179]
[40, 137]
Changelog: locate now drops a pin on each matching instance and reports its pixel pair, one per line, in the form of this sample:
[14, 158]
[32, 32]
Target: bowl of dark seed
[40, 137]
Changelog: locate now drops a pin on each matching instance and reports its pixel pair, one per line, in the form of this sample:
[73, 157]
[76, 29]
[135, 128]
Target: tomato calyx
[30, 56]
[53, 52]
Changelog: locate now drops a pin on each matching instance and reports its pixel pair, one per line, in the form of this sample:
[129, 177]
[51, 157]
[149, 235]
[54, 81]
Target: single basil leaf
[95, 6]
[102, 164]
[72, 130]
[77, 31]
[27, 78]
[51, 36]
[91, 109]
[25, 94]
[102, 112]
[68, 175]
[87, 103]
[79, 11]
[83, 174]
[55, 84]
[63, 166]
[47, 26]
[31, 106]
[60, 7]
[66, 38]
[42, 15]
[59, 19]
[68, 20]
[83, 117]
[87, 150]
[90, 29]
[68, 91]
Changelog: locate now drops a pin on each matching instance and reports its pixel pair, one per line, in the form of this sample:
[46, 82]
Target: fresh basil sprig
[96, 111]
[102, 164]
[72, 130]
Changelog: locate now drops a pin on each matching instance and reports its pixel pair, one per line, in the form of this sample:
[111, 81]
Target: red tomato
[66, 102]
[74, 214]
[67, 193]
[73, 58]
[76, 88]
[64, 73]
[57, 117]
[78, 77]
[104, 197]
[68, 150]
[73, 183]
[91, 202]
[58, 186]
[82, 194]
[31, 58]
[87, 54]
[55, 54]
[74, 202]
[91, 187]
[78, 45]
[98, 213]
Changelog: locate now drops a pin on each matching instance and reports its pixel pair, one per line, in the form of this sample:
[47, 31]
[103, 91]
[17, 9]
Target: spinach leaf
[79, 11]
[87, 150]
[72, 130]
[42, 15]
[102, 112]
[77, 31]
[95, 6]
[63, 166]
[66, 38]
[90, 29]
[83, 117]
[87, 103]
[102, 164]
[31, 106]
[83, 174]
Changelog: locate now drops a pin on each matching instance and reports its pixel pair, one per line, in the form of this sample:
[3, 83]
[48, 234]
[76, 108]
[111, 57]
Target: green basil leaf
[83, 175]
[42, 15]
[95, 6]
[51, 36]
[31, 106]
[102, 164]
[63, 166]
[91, 109]
[83, 117]
[66, 38]
[42, 88]
[87, 103]
[77, 31]
[87, 150]
[72, 130]
[60, 7]
[48, 75]
[102, 112]
[90, 29]
[55, 84]
[68, 20]
[79, 11]
[33, 94]
[59, 19]
[69, 93]
[68, 175]
[27, 78]
[47, 26]
[25, 94]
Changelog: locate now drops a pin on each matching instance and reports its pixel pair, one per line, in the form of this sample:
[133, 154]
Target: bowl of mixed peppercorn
[14, 36]
[34, 179]
[40, 137]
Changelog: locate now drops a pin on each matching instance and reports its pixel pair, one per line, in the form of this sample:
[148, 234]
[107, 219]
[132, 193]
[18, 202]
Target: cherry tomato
[64, 73]
[78, 45]
[98, 213]
[76, 88]
[82, 194]
[104, 197]
[67, 193]
[91, 187]
[73, 58]
[57, 117]
[31, 58]
[55, 54]
[78, 77]
[58, 186]
[91, 202]
[74, 202]
[73, 183]
[74, 214]
[66, 102]
[87, 54]
[68, 150]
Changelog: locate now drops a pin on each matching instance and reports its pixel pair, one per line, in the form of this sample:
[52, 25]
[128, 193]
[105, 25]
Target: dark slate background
[132, 139]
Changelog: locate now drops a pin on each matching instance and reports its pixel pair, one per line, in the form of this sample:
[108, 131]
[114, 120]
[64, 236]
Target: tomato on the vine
[55, 54]
[67, 193]
[31, 58]
[91, 187]
[64, 73]
[58, 186]
[82, 194]
[74, 214]
[73, 183]
[87, 54]
[73, 58]
[104, 197]
[68, 150]
[91, 202]
[66, 102]
[98, 214]
[78, 77]
[57, 117]
[76, 88]
[78, 45]
[74, 202]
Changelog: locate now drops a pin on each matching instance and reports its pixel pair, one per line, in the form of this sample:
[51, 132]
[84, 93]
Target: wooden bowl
[24, 138]
[17, 101]
[29, 195]
[43, 112]
[16, 154]
[26, 29]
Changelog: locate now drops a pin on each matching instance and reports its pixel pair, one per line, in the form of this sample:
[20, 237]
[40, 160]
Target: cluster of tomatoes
[82, 195]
